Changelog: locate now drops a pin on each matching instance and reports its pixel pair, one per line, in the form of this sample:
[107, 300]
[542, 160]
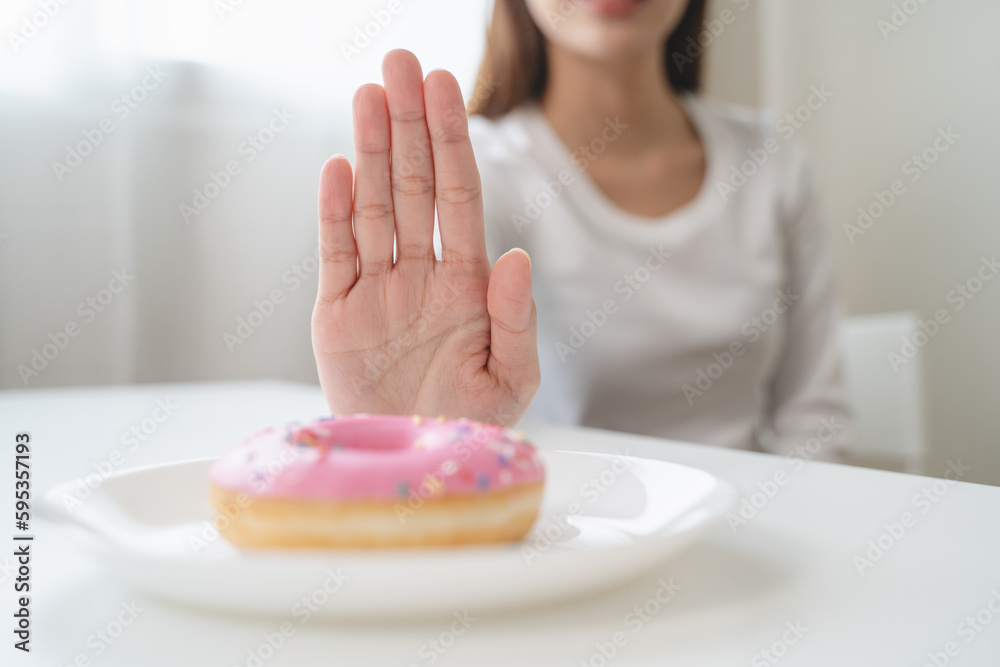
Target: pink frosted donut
[378, 481]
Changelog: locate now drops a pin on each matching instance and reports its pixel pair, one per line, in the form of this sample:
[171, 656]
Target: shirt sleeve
[810, 417]
[496, 218]
[493, 178]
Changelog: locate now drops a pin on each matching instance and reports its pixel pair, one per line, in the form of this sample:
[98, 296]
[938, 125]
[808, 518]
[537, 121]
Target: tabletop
[820, 564]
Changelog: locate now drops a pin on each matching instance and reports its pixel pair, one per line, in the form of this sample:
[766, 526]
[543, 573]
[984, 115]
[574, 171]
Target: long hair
[515, 70]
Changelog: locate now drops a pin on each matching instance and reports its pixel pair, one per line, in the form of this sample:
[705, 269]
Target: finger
[456, 179]
[412, 167]
[513, 348]
[338, 269]
[373, 212]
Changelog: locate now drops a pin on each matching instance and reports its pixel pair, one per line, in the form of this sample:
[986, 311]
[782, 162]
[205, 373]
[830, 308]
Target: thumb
[513, 342]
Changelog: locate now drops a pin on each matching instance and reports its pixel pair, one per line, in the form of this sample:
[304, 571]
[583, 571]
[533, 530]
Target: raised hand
[413, 334]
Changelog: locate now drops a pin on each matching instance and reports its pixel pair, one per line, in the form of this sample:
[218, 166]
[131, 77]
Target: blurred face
[607, 29]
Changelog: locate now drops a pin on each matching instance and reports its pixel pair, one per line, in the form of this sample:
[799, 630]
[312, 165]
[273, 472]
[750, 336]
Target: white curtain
[180, 245]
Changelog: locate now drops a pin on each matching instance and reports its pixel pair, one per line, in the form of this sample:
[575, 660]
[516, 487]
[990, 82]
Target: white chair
[886, 401]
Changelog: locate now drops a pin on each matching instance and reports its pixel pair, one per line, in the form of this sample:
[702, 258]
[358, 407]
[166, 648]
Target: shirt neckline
[609, 214]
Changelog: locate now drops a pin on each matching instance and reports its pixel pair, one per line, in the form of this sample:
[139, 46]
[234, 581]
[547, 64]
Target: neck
[583, 93]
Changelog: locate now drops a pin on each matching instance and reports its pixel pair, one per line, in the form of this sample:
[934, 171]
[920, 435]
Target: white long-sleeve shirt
[715, 324]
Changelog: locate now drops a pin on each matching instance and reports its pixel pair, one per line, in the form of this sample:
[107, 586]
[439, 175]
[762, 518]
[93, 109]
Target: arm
[808, 405]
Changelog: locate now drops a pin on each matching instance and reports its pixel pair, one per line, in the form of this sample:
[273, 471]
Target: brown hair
[514, 68]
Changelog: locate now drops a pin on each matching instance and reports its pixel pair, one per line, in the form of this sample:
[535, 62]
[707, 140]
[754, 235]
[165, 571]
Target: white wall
[891, 96]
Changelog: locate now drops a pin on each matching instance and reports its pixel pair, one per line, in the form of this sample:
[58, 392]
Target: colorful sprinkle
[492, 459]
[309, 436]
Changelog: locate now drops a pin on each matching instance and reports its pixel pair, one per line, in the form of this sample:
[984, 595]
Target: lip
[613, 8]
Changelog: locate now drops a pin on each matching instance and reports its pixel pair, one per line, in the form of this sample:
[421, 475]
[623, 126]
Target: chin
[607, 29]
[603, 47]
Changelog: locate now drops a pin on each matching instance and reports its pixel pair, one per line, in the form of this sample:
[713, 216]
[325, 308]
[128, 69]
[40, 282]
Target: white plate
[604, 519]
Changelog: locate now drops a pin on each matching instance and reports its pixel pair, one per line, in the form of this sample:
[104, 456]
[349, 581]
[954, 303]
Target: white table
[740, 592]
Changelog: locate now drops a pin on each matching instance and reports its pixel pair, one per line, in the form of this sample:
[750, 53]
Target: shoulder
[742, 128]
[736, 123]
[507, 158]
[756, 147]
[501, 141]
[511, 154]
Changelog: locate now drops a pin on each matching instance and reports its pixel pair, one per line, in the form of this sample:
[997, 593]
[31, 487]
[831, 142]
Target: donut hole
[387, 433]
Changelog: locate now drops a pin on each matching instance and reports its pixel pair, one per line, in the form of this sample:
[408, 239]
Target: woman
[673, 300]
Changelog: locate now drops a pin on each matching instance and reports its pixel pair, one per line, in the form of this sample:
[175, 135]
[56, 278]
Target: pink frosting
[379, 457]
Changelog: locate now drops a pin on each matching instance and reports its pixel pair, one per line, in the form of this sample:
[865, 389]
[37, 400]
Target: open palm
[412, 334]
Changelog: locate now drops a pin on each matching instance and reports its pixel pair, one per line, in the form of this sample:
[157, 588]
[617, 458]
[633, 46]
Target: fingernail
[523, 252]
